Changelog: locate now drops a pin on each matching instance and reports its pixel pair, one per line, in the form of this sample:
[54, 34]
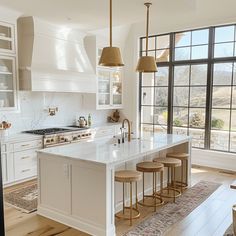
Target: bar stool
[184, 160]
[151, 167]
[171, 164]
[129, 176]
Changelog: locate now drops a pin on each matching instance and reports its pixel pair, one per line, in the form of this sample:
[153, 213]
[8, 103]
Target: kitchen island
[76, 181]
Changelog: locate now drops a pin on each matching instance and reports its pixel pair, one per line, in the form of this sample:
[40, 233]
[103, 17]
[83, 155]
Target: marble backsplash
[33, 112]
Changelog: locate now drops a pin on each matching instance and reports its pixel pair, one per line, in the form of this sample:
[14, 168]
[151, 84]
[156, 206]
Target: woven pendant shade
[147, 64]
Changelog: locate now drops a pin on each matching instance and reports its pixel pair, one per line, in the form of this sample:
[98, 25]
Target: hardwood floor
[211, 218]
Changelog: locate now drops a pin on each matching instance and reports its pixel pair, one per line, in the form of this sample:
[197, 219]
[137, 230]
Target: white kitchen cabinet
[4, 168]
[51, 172]
[8, 83]
[7, 38]
[19, 160]
[109, 88]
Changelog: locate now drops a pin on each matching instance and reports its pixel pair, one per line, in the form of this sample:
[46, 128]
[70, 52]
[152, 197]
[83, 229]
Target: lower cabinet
[55, 188]
[19, 160]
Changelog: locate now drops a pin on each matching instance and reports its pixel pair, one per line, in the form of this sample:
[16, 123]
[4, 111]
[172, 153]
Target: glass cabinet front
[7, 82]
[6, 38]
[109, 90]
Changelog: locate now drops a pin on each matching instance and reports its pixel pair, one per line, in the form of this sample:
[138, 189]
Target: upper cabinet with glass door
[7, 38]
[109, 88]
[7, 83]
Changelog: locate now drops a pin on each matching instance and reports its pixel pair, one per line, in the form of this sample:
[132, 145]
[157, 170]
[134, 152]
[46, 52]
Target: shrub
[217, 123]
[177, 122]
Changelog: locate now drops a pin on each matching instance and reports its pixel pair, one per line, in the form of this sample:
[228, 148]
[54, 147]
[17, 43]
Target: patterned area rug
[24, 199]
[229, 231]
[162, 221]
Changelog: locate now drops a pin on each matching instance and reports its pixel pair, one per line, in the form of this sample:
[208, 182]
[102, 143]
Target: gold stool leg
[168, 180]
[161, 181]
[143, 187]
[131, 205]
[186, 178]
[182, 175]
[123, 198]
[173, 172]
[136, 186]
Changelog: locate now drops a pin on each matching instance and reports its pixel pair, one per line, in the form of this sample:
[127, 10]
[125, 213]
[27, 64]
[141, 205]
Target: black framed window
[194, 90]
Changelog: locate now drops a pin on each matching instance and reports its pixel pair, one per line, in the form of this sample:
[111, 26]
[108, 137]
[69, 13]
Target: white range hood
[54, 58]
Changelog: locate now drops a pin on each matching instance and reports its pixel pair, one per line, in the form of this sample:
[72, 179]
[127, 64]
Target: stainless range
[59, 136]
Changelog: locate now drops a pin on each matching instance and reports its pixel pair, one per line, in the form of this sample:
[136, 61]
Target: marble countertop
[107, 151]
[19, 137]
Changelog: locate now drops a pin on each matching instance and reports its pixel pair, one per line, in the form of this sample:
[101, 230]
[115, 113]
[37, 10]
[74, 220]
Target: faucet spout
[129, 128]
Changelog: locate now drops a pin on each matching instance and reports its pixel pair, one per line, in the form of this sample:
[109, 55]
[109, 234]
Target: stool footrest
[120, 215]
[161, 202]
[177, 193]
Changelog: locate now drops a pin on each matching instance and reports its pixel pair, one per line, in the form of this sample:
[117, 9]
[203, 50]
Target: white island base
[76, 182]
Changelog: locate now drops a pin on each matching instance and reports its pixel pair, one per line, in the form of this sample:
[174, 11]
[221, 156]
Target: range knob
[48, 141]
[66, 140]
[75, 138]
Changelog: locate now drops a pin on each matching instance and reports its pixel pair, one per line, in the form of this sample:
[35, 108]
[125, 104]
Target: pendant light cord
[110, 23]
[148, 4]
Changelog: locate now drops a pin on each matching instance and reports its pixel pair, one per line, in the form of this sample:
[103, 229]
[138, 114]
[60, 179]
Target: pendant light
[147, 63]
[111, 56]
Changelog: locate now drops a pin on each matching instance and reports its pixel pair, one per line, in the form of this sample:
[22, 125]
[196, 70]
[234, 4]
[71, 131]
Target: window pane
[147, 79]
[234, 98]
[233, 141]
[198, 136]
[182, 53]
[162, 76]
[180, 116]
[147, 96]
[181, 96]
[162, 55]
[222, 74]
[233, 121]
[200, 37]
[163, 41]
[198, 74]
[180, 131]
[160, 115]
[221, 97]
[160, 129]
[161, 96]
[147, 114]
[224, 34]
[199, 52]
[198, 96]
[146, 129]
[220, 119]
[197, 118]
[183, 39]
[151, 43]
[224, 50]
[219, 140]
[181, 75]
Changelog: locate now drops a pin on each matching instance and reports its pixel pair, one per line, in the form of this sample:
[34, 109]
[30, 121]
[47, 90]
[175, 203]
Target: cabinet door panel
[4, 167]
[55, 184]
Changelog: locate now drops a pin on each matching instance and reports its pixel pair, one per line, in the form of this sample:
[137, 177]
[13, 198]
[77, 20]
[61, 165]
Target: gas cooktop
[48, 131]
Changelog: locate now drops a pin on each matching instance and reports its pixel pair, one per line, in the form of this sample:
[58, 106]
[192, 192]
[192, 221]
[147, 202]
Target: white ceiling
[93, 14]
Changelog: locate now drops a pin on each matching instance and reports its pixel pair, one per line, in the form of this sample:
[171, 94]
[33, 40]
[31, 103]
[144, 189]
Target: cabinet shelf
[6, 91]
[5, 73]
[5, 38]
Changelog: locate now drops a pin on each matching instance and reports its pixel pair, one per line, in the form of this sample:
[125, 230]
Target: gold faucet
[129, 128]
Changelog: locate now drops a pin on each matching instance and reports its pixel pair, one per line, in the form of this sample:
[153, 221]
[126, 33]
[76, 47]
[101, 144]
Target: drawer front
[3, 148]
[28, 145]
[26, 158]
[26, 172]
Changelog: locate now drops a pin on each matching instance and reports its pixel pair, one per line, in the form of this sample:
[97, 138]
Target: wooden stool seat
[168, 161]
[148, 166]
[180, 156]
[127, 176]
